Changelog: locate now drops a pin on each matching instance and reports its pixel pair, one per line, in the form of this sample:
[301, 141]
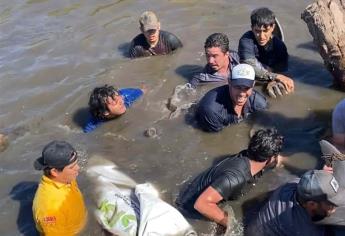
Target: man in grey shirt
[220, 61]
[294, 208]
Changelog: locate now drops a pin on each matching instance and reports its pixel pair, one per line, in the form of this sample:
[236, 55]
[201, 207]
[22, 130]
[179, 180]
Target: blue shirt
[130, 95]
[282, 215]
[215, 110]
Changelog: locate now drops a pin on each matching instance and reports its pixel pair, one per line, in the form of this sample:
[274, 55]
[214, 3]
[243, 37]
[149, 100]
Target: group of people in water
[293, 209]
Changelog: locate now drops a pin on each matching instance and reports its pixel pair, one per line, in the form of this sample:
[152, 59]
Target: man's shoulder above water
[283, 215]
[209, 75]
[167, 43]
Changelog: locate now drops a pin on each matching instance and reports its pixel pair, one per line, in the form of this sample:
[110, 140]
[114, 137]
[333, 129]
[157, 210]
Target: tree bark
[326, 23]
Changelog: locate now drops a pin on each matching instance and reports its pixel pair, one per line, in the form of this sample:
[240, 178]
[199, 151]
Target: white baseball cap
[243, 74]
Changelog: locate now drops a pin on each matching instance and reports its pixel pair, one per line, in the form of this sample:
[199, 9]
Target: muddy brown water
[53, 53]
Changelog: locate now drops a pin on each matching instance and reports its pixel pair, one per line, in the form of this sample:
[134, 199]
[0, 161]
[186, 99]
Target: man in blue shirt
[266, 53]
[107, 103]
[220, 61]
[232, 103]
[294, 208]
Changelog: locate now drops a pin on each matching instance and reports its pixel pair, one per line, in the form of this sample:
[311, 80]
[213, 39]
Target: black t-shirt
[215, 110]
[227, 177]
[273, 54]
[167, 43]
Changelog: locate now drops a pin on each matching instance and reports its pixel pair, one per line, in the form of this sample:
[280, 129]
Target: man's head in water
[217, 51]
[319, 193]
[265, 146]
[150, 26]
[106, 103]
[262, 23]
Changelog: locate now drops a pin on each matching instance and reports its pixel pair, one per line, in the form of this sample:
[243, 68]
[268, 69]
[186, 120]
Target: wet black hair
[217, 40]
[262, 17]
[97, 103]
[264, 144]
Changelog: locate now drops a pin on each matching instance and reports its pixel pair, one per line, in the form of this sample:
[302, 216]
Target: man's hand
[288, 82]
[275, 89]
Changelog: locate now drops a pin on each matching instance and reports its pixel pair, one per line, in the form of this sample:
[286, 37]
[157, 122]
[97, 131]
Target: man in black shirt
[152, 41]
[266, 53]
[225, 180]
[220, 61]
[230, 104]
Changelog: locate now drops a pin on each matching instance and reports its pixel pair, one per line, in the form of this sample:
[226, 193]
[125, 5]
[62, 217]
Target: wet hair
[264, 144]
[98, 101]
[217, 40]
[262, 17]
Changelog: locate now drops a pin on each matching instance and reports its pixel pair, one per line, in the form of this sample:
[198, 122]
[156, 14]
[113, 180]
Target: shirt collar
[55, 183]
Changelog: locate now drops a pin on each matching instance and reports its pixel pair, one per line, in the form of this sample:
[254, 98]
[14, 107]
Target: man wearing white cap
[152, 41]
[232, 103]
[294, 208]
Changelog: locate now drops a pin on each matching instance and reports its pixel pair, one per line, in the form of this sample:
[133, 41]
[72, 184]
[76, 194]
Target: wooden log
[326, 23]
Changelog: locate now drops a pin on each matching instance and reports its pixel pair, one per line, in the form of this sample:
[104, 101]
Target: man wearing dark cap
[58, 206]
[294, 208]
[232, 103]
[152, 40]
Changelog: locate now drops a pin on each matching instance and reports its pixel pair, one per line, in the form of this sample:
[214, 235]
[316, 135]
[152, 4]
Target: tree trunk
[326, 23]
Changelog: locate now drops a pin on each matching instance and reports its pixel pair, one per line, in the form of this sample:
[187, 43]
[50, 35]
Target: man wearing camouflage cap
[152, 40]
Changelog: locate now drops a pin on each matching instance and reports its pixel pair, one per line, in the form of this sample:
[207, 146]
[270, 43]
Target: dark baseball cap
[320, 185]
[56, 154]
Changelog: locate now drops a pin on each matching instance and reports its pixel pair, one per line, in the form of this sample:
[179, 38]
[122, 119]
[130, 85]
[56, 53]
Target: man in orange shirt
[58, 206]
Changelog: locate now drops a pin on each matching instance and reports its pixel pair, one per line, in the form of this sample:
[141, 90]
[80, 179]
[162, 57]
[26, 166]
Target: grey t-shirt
[282, 215]
[338, 118]
[208, 75]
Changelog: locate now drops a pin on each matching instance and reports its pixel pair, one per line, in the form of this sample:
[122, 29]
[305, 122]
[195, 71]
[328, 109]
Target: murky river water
[53, 53]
